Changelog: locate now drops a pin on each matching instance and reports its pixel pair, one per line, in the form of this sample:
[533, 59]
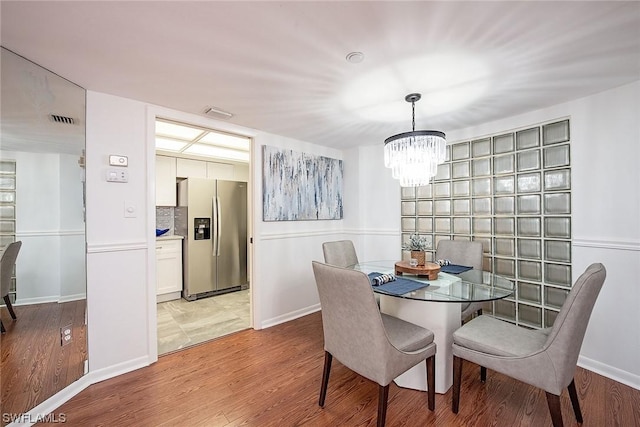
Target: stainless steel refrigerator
[215, 244]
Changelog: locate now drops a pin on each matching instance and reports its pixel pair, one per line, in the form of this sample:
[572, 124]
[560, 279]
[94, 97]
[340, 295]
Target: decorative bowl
[161, 231]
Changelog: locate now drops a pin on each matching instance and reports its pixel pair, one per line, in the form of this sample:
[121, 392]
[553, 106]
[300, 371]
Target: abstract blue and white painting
[299, 186]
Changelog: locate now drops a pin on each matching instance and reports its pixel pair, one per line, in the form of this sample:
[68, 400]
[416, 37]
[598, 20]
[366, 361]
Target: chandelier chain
[413, 116]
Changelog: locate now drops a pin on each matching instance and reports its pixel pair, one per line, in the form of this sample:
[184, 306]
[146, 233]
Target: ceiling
[280, 67]
[40, 111]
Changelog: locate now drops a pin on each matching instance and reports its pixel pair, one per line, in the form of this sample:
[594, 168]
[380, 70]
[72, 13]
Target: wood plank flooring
[34, 366]
[272, 378]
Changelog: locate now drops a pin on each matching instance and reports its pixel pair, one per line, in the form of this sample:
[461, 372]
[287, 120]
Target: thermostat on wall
[118, 161]
[115, 175]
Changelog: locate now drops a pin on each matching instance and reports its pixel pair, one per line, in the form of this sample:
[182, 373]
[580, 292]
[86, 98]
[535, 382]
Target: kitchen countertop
[171, 237]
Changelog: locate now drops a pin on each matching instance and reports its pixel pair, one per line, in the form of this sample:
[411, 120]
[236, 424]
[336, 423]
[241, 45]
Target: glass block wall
[512, 193]
[8, 211]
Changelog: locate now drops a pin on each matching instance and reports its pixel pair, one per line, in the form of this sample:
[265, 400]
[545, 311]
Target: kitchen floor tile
[184, 323]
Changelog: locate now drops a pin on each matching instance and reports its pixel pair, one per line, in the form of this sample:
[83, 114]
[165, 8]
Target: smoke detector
[355, 57]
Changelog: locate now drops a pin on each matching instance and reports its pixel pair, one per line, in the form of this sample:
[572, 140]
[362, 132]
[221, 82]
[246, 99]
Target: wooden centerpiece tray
[429, 269]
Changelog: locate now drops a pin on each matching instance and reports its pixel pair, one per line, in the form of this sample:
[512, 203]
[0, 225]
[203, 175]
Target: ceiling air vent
[61, 119]
[217, 113]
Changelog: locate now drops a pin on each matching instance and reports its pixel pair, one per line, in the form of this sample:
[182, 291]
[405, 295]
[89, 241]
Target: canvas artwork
[299, 186]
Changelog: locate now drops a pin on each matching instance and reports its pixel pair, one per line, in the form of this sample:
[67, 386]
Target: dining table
[434, 304]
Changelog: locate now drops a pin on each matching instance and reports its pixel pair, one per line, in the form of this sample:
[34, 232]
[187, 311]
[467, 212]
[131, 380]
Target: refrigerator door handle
[214, 237]
[218, 228]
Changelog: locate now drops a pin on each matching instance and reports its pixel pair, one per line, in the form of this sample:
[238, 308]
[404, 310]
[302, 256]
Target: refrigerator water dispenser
[201, 228]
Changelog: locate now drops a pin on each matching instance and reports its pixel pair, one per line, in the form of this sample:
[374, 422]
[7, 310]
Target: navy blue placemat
[399, 286]
[454, 269]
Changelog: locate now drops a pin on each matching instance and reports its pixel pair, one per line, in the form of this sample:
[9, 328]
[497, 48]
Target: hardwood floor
[272, 378]
[34, 366]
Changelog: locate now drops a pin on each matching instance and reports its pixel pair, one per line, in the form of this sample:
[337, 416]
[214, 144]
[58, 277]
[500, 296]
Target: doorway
[188, 154]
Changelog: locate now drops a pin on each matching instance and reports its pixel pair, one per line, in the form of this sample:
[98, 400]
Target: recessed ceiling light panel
[169, 144]
[225, 140]
[175, 130]
[217, 152]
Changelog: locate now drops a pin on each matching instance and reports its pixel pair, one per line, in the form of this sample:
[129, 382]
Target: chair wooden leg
[573, 394]
[483, 374]
[328, 357]
[7, 302]
[457, 378]
[431, 382]
[554, 408]
[2, 329]
[383, 395]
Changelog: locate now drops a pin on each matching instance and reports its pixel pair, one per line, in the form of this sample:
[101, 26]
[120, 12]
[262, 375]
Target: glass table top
[470, 286]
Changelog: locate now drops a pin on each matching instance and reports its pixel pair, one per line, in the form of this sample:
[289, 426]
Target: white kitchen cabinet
[241, 173]
[187, 168]
[220, 171]
[168, 268]
[165, 181]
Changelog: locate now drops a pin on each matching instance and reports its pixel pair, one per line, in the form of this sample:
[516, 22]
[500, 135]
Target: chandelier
[414, 156]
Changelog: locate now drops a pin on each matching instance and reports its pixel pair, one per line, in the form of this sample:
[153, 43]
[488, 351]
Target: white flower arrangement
[416, 243]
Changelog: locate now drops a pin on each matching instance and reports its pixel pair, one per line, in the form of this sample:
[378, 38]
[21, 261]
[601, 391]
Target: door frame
[154, 112]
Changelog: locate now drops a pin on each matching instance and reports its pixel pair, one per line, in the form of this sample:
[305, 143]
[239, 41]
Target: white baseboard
[74, 297]
[168, 297]
[290, 316]
[624, 377]
[46, 410]
[48, 299]
[119, 369]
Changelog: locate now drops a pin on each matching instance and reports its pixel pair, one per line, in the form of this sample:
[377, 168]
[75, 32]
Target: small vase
[420, 256]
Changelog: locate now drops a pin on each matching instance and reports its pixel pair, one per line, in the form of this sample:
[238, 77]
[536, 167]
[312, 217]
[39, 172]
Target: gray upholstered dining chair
[7, 262]
[341, 253]
[377, 346]
[544, 358]
[466, 253]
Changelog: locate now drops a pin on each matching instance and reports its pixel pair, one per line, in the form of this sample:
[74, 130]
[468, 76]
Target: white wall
[605, 151]
[373, 221]
[51, 263]
[117, 268]
[73, 273]
[284, 250]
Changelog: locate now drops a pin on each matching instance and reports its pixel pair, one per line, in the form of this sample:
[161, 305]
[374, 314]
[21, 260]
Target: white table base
[443, 318]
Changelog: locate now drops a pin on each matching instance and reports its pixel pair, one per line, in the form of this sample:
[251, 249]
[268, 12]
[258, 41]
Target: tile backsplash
[165, 219]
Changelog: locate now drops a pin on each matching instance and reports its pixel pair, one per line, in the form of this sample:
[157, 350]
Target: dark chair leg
[382, 404]
[325, 377]
[7, 302]
[573, 394]
[2, 329]
[457, 378]
[554, 408]
[483, 374]
[431, 382]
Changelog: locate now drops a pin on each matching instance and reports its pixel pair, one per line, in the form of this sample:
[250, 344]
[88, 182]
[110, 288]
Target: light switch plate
[130, 210]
